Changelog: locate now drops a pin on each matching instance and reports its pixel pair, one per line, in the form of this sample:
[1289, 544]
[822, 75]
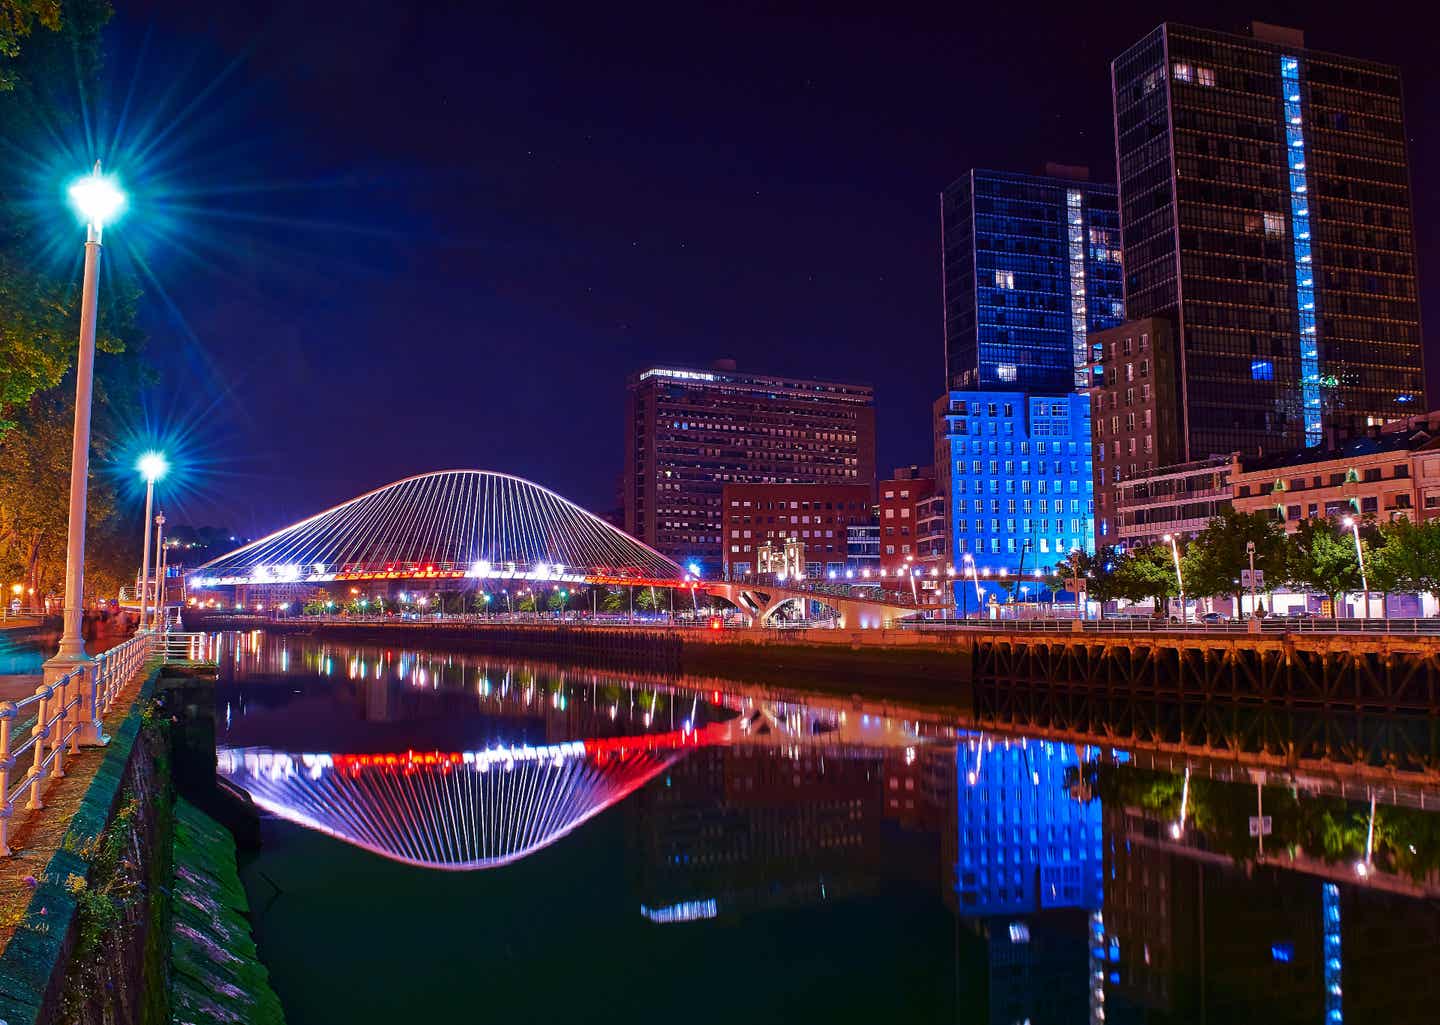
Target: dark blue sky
[440, 235]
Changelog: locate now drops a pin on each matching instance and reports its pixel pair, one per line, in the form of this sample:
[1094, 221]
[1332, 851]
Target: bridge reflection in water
[1086, 880]
[472, 809]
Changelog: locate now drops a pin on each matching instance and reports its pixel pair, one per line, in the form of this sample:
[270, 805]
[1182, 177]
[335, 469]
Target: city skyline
[765, 311]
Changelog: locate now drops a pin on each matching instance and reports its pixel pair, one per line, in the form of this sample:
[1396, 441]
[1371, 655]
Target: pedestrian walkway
[36, 836]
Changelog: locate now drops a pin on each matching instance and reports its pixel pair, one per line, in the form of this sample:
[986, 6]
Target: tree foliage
[1320, 557]
[1146, 573]
[46, 85]
[35, 503]
[18, 19]
[1215, 558]
[1406, 557]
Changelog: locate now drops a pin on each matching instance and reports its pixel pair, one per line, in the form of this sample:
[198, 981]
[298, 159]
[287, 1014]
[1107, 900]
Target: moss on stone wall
[216, 974]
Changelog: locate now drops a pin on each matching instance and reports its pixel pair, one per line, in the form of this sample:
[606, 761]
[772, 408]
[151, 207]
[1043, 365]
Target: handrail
[1120, 625]
[68, 712]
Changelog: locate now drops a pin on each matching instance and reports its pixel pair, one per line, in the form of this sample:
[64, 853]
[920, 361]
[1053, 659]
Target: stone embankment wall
[137, 908]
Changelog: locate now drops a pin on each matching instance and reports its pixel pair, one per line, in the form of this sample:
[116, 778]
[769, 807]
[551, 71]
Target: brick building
[900, 497]
[1134, 411]
[690, 432]
[819, 515]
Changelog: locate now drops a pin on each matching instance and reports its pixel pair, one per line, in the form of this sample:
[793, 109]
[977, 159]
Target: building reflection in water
[1074, 894]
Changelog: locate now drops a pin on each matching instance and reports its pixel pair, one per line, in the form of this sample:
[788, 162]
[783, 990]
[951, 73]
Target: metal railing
[1150, 624]
[177, 646]
[67, 712]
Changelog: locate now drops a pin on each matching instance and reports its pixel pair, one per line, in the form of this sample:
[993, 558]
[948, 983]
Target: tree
[45, 86]
[648, 600]
[18, 19]
[527, 602]
[612, 600]
[1321, 557]
[35, 506]
[558, 601]
[483, 601]
[1101, 583]
[1214, 560]
[1407, 557]
[1146, 573]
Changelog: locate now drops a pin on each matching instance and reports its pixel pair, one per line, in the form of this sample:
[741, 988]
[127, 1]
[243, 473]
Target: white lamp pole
[1354, 526]
[1250, 551]
[1179, 580]
[153, 466]
[158, 621]
[98, 200]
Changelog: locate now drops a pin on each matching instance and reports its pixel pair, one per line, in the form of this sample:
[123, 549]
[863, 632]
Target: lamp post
[158, 621]
[98, 200]
[1250, 551]
[152, 466]
[1179, 580]
[1354, 526]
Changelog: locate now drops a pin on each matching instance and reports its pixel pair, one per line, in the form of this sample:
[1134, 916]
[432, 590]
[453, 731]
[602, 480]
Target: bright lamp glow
[153, 466]
[97, 198]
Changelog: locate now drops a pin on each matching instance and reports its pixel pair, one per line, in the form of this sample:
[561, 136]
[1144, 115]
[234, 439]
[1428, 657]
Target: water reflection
[1082, 882]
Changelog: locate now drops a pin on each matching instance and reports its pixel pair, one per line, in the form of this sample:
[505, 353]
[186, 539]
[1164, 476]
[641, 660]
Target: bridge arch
[446, 524]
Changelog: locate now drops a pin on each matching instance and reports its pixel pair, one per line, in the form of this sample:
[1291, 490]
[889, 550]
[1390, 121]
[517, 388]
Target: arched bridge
[490, 529]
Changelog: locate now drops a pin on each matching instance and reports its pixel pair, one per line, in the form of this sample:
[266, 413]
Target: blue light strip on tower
[1330, 927]
[1300, 235]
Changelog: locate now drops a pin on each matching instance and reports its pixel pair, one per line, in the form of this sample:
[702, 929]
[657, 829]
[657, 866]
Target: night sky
[433, 236]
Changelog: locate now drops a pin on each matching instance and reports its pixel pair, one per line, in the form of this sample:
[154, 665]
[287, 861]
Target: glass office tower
[1265, 203]
[1030, 266]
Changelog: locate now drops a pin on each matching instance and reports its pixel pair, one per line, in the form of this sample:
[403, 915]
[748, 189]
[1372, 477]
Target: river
[453, 837]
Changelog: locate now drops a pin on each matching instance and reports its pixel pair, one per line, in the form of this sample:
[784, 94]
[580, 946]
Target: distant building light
[680, 375]
[685, 911]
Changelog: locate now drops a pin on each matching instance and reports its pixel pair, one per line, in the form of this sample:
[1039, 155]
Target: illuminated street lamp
[1354, 526]
[152, 467]
[99, 201]
[1179, 580]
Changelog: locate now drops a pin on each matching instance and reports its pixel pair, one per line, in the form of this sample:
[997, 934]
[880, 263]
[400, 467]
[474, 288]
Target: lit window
[1004, 279]
[1184, 73]
[1274, 225]
[1205, 76]
[1005, 371]
[1262, 370]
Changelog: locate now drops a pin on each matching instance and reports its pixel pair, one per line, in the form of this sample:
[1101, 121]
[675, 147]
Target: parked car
[1214, 618]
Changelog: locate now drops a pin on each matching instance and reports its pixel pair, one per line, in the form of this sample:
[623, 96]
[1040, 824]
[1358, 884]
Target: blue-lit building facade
[1030, 265]
[1020, 476]
[1025, 843]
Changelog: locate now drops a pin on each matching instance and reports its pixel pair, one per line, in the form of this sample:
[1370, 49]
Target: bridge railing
[1148, 624]
[67, 712]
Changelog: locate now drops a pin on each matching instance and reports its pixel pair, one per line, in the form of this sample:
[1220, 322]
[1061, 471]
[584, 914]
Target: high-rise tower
[1265, 209]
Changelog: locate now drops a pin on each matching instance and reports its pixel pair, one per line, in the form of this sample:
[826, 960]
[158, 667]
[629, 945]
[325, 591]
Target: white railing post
[7, 714]
[57, 742]
[73, 701]
[89, 734]
[40, 732]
